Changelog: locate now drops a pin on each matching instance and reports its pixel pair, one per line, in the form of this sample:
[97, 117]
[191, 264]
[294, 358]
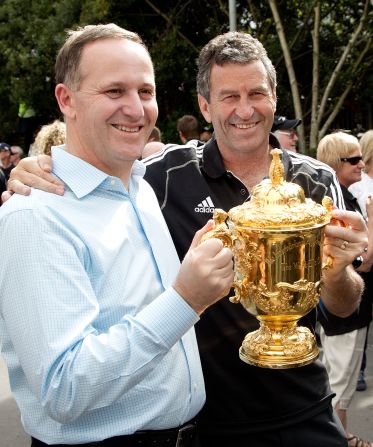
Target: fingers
[198, 236]
[44, 162]
[7, 195]
[31, 172]
[345, 243]
[206, 274]
[350, 219]
[21, 183]
[15, 185]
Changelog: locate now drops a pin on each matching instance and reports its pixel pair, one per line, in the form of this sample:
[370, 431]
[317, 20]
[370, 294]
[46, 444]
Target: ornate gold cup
[276, 239]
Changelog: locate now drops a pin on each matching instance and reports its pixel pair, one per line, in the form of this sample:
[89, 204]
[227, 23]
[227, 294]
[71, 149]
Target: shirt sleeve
[49, 309]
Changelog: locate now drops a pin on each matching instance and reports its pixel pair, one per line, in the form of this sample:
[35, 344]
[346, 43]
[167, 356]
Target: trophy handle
[328, 204]
[220, 230]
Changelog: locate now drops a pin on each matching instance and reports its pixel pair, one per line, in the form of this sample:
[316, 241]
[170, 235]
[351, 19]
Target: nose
[132, 105]
[244, 108]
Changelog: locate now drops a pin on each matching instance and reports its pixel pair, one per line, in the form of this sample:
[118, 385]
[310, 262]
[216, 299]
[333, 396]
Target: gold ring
[344, 245]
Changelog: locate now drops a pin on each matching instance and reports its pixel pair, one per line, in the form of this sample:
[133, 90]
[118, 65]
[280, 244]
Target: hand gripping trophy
[276, 239]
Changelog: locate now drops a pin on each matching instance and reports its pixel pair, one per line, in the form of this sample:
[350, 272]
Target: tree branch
[290, 70]
[341, 62]
[172, 25]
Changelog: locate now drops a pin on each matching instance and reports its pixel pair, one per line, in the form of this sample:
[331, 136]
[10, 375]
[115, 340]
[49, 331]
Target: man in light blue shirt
[97, 330]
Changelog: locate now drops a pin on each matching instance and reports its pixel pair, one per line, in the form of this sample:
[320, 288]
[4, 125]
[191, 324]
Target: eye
[231, 97]
[147, 93]
[114, 93]
[258, 95]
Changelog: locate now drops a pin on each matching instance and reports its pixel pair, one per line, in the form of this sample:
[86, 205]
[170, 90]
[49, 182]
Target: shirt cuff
[169, 316]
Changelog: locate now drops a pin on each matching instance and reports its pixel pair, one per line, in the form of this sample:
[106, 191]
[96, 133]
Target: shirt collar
[212, 160]
[81, 177]
[347, 194]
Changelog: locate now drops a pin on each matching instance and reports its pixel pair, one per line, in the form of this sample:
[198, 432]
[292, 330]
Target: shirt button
[195, 386]
[243, 192]
[112, 183]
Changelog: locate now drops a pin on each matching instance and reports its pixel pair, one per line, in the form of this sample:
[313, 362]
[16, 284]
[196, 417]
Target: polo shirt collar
[212, 161]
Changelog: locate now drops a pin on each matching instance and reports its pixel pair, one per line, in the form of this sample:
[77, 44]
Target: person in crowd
[363, 191]
[98, 338]
[286, 132]
[53, 134]
[3, 184]
[343, 338]
[154, 143]
[364, 188]
[155, 135]
[6, 159]
[16, 155]
[206, 134]
[188, 128]
[6, 165]
[246, 405]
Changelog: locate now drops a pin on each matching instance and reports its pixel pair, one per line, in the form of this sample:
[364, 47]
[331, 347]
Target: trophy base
[268, 348]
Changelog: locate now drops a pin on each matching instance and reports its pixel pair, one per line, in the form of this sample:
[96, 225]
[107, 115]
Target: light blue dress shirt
[96, 340]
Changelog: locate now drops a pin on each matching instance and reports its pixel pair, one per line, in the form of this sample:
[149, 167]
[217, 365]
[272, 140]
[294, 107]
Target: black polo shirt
[190, 181]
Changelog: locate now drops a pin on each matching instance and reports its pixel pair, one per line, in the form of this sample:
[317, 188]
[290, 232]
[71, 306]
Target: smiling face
[348, 173]
[241, 107]
[110, 115]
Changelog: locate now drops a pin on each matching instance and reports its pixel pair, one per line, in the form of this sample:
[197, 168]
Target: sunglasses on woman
[352, 160]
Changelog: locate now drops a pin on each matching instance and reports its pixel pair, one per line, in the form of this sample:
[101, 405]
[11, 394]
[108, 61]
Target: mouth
[244, 126]
[127, 129]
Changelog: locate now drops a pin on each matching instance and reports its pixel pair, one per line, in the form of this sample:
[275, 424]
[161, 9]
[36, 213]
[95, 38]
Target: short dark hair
[68, 58]
[189, 126]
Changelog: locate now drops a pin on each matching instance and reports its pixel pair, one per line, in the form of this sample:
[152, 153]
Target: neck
[249, 168]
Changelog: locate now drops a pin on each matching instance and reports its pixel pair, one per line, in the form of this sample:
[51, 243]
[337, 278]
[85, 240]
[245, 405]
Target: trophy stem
[279, 343]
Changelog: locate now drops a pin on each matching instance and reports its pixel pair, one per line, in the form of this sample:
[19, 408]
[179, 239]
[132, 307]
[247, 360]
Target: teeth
[126, 129]
[245, 126]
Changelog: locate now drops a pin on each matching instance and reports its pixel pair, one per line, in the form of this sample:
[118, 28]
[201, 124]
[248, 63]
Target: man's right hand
[206, 274]
[35, 172]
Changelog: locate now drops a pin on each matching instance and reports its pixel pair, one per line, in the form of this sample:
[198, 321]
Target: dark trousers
[323, 430]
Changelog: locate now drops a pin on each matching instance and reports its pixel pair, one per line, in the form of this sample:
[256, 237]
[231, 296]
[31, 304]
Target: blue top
[96, 340]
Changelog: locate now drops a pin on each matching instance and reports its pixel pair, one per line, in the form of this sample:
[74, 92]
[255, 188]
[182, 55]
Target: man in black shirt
[248, 406]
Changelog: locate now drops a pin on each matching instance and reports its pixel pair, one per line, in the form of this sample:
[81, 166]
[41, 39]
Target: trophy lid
[277, 204]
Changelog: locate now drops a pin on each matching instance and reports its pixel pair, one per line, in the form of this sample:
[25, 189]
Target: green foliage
[31, 31]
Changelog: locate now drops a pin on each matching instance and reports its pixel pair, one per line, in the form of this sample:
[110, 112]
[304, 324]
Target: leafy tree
[322, 52]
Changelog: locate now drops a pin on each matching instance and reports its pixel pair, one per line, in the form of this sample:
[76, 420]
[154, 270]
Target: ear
[204, 107]
[65, 99]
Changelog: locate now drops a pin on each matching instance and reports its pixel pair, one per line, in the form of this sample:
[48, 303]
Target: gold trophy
[276, 239]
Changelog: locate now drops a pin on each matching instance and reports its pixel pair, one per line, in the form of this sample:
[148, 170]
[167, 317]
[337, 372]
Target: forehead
[118, 59]
[235, 76]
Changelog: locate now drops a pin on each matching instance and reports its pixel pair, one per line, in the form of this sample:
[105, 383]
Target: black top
[7, 170]
[189, 182]
[334, 325]
[2, 183]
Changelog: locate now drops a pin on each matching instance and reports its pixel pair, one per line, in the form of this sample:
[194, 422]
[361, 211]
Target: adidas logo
[206, 206]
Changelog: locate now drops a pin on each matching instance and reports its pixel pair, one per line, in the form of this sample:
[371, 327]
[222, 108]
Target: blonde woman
[364, 188]
[343, 339]
[53, 134]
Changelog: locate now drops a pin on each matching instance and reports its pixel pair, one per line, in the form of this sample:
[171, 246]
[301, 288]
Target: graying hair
[234, 48]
